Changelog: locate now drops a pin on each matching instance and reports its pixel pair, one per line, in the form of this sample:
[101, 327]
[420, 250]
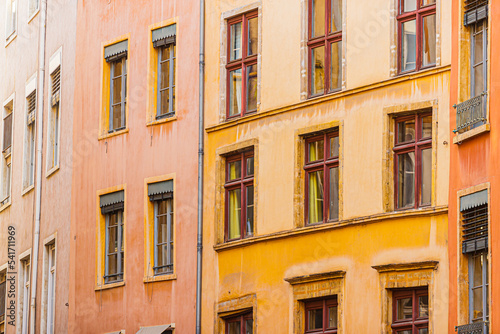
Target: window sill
[109, 286]
[52, 171]
[5, 206]
[162, 121]
[459, 138]
[34, 15]
[27, 190]
[10, 38]
[159, 278]
[113, 134]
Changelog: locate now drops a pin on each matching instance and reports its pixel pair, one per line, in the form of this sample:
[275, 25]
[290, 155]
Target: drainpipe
[39, 147]
[201, 137]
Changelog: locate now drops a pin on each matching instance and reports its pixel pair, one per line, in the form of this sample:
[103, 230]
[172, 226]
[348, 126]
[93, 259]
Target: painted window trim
[325, 303]
[29, 171]
[120, 272]
[123, 103]
[54, 65]
[417, 322]
[172, 87]
[169, 241]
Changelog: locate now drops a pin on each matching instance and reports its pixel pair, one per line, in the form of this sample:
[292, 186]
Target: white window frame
[10, 34]
[54, 147]
[6, 164]
[29, 136]
[31, 15]
[51, 286]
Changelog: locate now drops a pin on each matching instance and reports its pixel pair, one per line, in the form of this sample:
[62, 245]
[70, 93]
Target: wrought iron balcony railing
[471, 113]
[474, 328]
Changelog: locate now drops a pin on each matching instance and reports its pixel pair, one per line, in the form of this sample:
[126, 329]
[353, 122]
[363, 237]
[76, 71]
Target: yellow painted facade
[372, 249]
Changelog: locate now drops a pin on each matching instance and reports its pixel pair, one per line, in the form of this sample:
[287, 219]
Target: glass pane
[235, 47]
[405, 308]
[315, 319]
[334, 147]
[253, 36]
[423, 306]
[318, 18]
[406, 179]
[250, 205]
[409, 46]
[112, 240]
[316, 150]
[234, 170]
[161, 236]
[332, 317]
[112, 264]
[425, 193]
[426, 126]
[165, 53]
[252, 88]
[335, 66]
[117, 116]
[234, 328]
[165, 101]
[316, 197]
[117, 90]
[249, 326]
[429, 40]
[249, 166]
[162, 251]
[235, 92]
[334, 193]
[478, 271]
[478, 48]
[478, 80]
[336, 15]
[318, 70]
[117, 68]
[423, 331]
[477, 296]
[234, 216]
[409, 5]
[165, 75]
[406, 131]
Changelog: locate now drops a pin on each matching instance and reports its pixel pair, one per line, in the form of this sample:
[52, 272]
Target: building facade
[326, 166]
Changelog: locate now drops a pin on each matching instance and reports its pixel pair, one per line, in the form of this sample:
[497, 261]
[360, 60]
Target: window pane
[410, 5]
[318, 70]
[425, 192]
[423, 331]
[478, 80]
[316, 150]
[234, 223]
[165, 75]
[423, 306]
[406, 131]
[405, 308]
[252, 88]
[112, 240]
[162, 251]
[161, 236]
[249, 326]
[332, 317]
[318, 18]
[117, 90]
[249, 166]
[334, 147]
[429, 40]
[165, 101]
[316, 197]
[112, 264]
[117, 116]
[409, 45]
[477, 296]
[334, 193]
[406, 179]
[426, 126]
[478, 270]
[117, 70]
[249, 212]
[234, 328]
[315, 319]
[253, 36]
[235, 92]
[336, 15]
[234, 170]
[335, 66]
[235, 47]
[478, 47]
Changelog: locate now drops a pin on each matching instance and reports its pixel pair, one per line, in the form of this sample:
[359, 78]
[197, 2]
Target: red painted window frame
[243, 182]
[323, 304]
[325, 40]
[240, 318]
[416, 322]
[314, 166]
[242, 63]
[417, 15]
[416, 146]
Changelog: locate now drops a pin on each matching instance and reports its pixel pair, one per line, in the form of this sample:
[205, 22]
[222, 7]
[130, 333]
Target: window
[11, 19]
[321, 316]
[242, 64]
[325, 46]
[413, 160]
[410, 311]
[51, 287]
[25, 295]
[116, 57]
[322, 177]
[164, 42]
[479, 58]
[29, 154]
[3, 299]
[239, 194]
[242, 324]
[54, 118]
[6, 153]
[417, 34]
[33, 7]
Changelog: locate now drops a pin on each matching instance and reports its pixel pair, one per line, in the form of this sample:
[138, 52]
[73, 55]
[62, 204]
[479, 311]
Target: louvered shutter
[474, 210]
[56, 86]
[7, 132]
[31, 100]
[475, 11]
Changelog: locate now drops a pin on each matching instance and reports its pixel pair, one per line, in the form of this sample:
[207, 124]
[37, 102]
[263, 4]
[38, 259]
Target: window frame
[13, 16]
[51, 287]
[418, 15]
[485, 286]
[171, 76]
[241, 63]
[242, 183]
[30, 141]
[325, 165]
[416, 321]
[54, 126]
[26, 265]
[123, 102]
[417, 146]
[170, 238]
[120, 254]
[324, 304]
[485, 60]
[242, 318]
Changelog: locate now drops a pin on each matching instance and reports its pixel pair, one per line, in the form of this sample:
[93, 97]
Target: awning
[163, 329]
[164, 36]
[112, 202]
[475, 15]
[161, 190]
[474, 200]
[116, 51]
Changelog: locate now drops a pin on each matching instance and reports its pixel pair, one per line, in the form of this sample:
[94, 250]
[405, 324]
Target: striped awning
[116, 51]
[161, 190]
[112, 202]
[164, 36]
[474, 200]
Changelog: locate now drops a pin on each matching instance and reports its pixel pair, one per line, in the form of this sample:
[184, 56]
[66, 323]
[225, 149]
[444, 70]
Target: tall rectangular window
[321, 316]
[325, 46]
[322, 177]
[114, 247]
[25, 311]
[164, 40]
[11, 18]
[116, 57]
[54, 118]
[6, 153]
[164, 236]
[33, 6]
[417, 34]
[239, 196]
[51, 287]
[479, 58]
[241, 324]
[242, 79]
[413, 160]
[410, 311]
[29, 154]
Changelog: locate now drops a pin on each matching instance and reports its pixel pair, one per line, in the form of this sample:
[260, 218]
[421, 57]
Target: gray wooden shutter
[475, 11]
[474, 210]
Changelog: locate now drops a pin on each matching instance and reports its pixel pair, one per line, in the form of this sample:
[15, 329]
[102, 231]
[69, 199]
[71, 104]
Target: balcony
[474, 328]
[471, 113]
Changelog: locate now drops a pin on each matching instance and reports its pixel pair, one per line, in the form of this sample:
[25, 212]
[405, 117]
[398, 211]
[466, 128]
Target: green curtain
[315, 197]
[235, 214]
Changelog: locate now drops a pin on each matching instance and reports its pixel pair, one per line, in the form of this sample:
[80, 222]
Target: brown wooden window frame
[325, 40]
[417, 15]
[323, 304]
[416, 322]
[321, 165]
[241, 63]
[243, 182]
[417, 146]
[242, 319]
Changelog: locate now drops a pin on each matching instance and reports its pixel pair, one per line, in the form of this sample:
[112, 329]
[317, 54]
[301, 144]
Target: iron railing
[471, 113]
[474, 328]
